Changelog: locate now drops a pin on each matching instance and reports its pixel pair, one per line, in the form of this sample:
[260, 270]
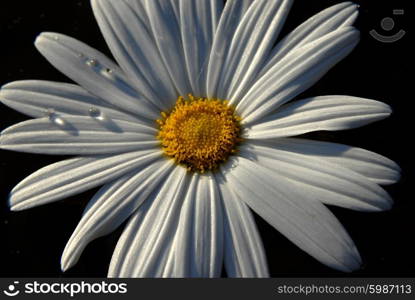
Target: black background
[33, 240]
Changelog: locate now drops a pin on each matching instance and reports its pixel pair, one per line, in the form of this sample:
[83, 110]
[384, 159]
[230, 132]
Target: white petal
[253, 39]
[232, 14]
[321, 180]
[135, 50]
[326, 21]
[295, 73]
[199, 238]
[198, 22]
[308, 224]
[244, 255]
[145, 242]
[36, 97]
[175, 4]
[73, 176]
[319, 113]
[139, 10]
[168, 271]
[111, 206]
[166, 32]
[78, 135]
[95, 72]
[373, 166]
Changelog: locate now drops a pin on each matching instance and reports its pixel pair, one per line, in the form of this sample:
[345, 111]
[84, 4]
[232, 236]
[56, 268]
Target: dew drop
[92, 63]
[108, 73]
[96, 114]
[54, 117]
[58, 120]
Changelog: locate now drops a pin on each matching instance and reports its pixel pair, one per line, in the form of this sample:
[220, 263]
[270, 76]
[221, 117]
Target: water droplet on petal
[92, 63]
[58, 120]
[54, 117]
[103, 119]
[97, 114]
[94, 112]
[108, 73]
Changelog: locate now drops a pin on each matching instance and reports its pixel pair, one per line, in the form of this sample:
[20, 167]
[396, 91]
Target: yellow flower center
[199, 133]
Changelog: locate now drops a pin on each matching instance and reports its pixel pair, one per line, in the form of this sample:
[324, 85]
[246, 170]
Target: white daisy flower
[191, 127]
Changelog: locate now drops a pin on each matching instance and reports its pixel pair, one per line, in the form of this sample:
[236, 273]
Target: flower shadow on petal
[249, 152]
[334, 151]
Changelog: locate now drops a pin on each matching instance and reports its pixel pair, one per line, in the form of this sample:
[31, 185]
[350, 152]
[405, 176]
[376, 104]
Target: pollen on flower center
[199, 133]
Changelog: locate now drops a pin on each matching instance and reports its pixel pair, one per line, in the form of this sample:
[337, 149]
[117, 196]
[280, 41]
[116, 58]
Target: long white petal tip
[65, 265]
[354, 8]
[45, 34]
[353, 262]
[3, 87]
[398, 171]
[45, 37]
[351, 3]
[68, 259]
[349, 261]
[388, 204]
[16, 205]
[19, 206]
[39, 38]
[385, 207]
[8, 84]
[388, 109]
[15, 208]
